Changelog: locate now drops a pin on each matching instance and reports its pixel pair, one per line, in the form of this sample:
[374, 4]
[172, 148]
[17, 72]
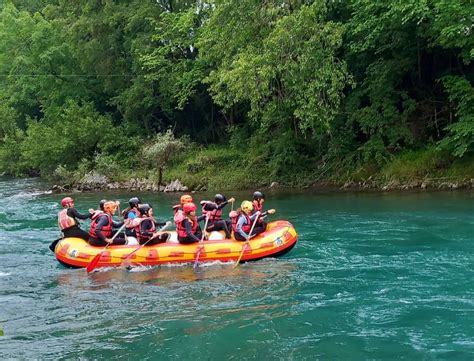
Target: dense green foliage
[288, 90]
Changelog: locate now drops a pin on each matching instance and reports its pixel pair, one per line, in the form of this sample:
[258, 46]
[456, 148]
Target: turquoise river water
[373, 276]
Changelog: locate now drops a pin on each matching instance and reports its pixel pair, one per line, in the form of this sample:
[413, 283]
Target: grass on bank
[225, 168]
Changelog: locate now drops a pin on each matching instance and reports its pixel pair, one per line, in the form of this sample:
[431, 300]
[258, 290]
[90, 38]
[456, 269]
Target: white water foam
[28, 195]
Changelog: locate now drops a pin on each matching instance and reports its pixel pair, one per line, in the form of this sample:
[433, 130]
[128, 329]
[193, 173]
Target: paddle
[202, 239]
[53, 244]
[120, 219]
[248, 239]
[144, 244]
[92, 265]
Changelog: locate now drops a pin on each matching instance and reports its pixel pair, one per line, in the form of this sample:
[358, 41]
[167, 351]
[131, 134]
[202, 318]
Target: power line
[67, 75]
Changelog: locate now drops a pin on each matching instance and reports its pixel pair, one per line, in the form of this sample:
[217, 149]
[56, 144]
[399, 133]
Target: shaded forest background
[239, 93]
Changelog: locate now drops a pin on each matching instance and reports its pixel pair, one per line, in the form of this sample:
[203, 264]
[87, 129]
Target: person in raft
[185, 198]
[68, 219]
[100, 232]
[132, 211]
[213, 210]
[242, 221]
[187, 224]
[257, 202]
[145, 227]
[178, 208]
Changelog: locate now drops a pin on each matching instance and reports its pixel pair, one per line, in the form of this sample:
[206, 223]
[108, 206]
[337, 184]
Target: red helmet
[189, 207]
[66, 201]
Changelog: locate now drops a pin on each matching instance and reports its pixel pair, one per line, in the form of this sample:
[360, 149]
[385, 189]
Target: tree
[158, 152]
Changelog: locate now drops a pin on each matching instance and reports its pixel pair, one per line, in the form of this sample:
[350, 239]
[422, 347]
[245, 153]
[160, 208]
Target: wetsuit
[147, 228]
[75, 231]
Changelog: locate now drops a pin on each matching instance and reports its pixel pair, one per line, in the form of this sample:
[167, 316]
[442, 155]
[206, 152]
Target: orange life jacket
[64, 221]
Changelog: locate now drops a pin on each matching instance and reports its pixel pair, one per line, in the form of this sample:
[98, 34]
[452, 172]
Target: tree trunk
[160, 176]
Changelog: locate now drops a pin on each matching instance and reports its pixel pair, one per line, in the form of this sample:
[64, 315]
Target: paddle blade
[93, 263]
[241, 254]
[196, 262]
[53, 244]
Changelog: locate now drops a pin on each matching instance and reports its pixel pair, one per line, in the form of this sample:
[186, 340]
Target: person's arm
[189, 230]
[160, 224]
[266, 213]
[116, 224]
[201, 218]
[72, 212]
[240, 223]
[255, 215]
[222, 205]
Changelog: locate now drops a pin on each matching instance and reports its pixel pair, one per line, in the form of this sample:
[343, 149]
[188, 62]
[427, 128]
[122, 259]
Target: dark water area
[373, 276]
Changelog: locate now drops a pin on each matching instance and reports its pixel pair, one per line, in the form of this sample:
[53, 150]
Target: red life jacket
[96, 214]
[178, 216]
[137, 226]
[181, 230]
[64, 221]
[214, 215]
[106, 230]
[235, 218]
[133, 210]
[257, 206]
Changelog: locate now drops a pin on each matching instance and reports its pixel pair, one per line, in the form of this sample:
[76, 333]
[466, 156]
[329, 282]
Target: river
[373, 276]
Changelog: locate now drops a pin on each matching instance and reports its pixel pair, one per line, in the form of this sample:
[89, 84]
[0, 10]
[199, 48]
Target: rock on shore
[94, 181]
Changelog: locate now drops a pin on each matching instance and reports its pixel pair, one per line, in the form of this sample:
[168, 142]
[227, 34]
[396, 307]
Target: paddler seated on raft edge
[178, 208]
[132, 211]
[145, 227]
[213, 210]
[187, 224]
[67, 219]
[100, 232]
[257, 202]
[242, 221]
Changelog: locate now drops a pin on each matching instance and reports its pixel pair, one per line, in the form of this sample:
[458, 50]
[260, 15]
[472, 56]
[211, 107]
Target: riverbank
[221, 168]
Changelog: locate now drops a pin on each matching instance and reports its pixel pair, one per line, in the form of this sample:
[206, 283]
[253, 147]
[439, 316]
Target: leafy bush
[460, 139]
[65, 136]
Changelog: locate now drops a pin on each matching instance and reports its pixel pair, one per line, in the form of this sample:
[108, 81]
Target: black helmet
[144, 208]
[101, 204]
[258, 195]
[219, 198]
[134, 201]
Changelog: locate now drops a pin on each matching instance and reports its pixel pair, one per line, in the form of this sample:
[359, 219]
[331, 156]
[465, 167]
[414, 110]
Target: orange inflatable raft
[279, 238]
